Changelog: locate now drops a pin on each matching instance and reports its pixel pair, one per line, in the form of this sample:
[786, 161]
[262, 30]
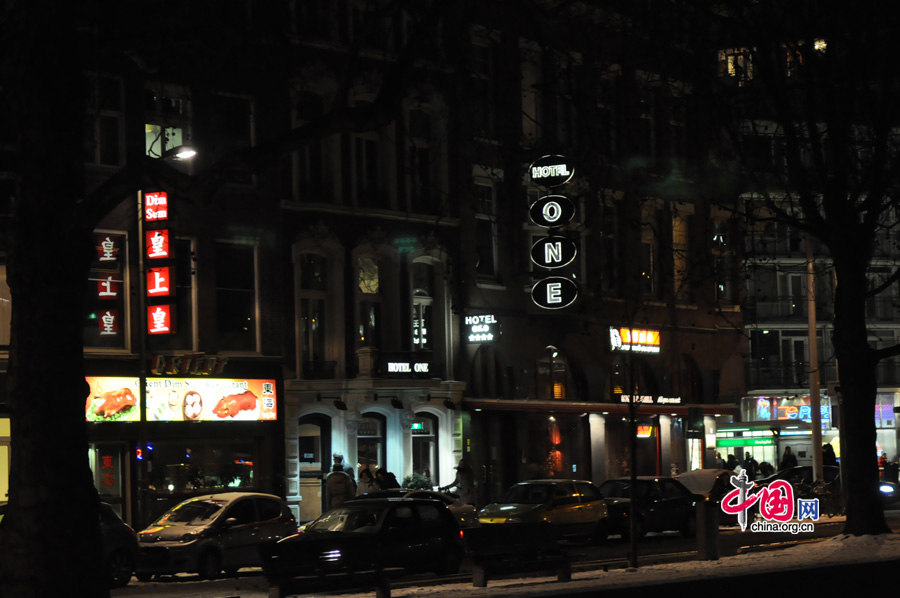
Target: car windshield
[347, 519]
[528, 494]
[621, 489]
[193, 513]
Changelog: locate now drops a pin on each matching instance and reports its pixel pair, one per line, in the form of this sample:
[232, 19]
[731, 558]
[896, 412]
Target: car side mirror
[230, 522]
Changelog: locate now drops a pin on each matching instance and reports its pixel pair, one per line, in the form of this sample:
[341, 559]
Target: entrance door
[314, 443]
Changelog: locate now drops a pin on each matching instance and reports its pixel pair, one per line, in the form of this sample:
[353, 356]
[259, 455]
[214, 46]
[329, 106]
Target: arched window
[422, 306]
[425, 444]
[554, 380]
[369, 322]
[370, 442]
[314, 281]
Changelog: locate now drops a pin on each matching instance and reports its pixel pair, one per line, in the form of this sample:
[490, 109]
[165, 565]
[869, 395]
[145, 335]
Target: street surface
[653, 549]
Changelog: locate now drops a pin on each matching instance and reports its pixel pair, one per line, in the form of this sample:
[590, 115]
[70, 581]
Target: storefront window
[185, 467]
[557, 447]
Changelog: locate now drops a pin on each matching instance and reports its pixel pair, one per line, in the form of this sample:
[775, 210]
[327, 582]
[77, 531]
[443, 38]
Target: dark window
[236, 297]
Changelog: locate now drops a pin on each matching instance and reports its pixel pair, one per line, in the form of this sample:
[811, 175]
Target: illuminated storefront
[195, 434]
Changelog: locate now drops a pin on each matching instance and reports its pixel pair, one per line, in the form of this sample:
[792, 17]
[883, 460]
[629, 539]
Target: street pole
[814, 386]
[144, 464]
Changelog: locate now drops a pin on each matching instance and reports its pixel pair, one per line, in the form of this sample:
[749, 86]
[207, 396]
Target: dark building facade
[375, 285]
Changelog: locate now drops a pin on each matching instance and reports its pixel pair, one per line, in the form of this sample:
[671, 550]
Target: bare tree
[823, 85]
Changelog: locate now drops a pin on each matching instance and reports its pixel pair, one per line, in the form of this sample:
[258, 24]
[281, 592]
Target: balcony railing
[795, 374]
[784, 309]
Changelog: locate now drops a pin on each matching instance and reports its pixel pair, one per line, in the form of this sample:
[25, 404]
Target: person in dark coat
[386, 480]
[828, 456]
[788, 459]
[731, 463]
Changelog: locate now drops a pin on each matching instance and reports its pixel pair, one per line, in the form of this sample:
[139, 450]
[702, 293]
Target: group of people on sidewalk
[340, 485]
[765, 469]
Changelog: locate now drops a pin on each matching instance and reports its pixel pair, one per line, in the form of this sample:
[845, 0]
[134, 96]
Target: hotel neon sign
[633, 339]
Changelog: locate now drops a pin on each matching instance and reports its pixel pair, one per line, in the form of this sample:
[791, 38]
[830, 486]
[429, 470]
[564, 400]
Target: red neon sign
[156, 243]
[159, 319]
[156, 206]
[159, 282]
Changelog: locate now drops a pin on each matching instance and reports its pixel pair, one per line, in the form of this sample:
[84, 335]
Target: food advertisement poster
[210, 399]
[113, 399]
[180, 399]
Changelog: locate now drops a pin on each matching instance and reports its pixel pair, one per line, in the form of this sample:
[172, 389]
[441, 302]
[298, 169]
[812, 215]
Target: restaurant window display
[181, 468]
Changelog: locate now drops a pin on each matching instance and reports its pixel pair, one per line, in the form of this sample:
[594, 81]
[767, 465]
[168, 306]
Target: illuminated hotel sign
[551, 171]
[633, 339]
[482, 329]
[648, 400]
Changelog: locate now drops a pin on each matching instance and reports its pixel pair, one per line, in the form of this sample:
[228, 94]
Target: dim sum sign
[180, 399]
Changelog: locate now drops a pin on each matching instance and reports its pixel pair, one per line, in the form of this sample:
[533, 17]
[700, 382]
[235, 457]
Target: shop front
[183, 436]
[517, 440]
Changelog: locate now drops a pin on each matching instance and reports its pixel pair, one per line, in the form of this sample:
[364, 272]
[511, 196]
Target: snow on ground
[836, 550]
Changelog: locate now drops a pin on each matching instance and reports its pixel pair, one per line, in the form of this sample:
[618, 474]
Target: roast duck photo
[110, 404]
[233, 404]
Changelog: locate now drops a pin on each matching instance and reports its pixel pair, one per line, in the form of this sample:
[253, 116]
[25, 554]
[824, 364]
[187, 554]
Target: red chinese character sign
[159, 282]
[156, 244]
[160, 319]
[106, 295]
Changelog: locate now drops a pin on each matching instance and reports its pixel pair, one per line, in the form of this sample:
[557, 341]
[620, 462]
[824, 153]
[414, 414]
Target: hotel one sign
[555, 250]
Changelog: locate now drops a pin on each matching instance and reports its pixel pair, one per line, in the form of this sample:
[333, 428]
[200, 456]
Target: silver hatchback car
[211, 533]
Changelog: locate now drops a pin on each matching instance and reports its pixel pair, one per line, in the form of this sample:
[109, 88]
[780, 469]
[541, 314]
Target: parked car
[359, 539]
[215, 532]
[712, 485]
[465, 514]
[661, 504]
[574, 508]
[119, 543]
[121, 551]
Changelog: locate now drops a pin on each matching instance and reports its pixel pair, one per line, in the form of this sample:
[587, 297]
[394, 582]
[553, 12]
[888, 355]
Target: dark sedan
[661, 504]
[119, 542]
[356, 542]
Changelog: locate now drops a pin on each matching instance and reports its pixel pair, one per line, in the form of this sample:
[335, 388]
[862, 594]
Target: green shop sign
[745, 441]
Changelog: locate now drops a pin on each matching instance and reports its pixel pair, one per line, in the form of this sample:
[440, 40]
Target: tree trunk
[50, 538]
[859, 383]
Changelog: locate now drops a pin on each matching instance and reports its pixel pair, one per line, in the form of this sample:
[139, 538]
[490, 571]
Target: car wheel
[450, 563]
[639, 528]
[144, 576]
[601, 534]
[120, 567]
[209, 565]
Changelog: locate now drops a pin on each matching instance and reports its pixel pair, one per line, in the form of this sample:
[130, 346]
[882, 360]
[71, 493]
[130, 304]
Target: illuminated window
[5, 308]
[167, 111]
[736, 63]
[370, 302]
[422, 300]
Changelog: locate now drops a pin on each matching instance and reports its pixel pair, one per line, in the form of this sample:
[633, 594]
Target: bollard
[707, 530]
